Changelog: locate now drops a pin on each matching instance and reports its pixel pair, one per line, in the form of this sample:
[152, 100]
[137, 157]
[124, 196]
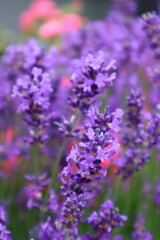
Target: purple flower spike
[105, 220]
[140, 232]
[92, 76]
[33, 92]
[73, 210]
[33, 98]
[151, 25]
[140, 134]
[88, 162]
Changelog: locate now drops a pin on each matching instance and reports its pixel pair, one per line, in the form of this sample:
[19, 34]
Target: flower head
[93, 74]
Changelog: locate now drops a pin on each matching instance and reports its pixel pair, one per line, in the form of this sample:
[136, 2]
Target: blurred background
[93, 9]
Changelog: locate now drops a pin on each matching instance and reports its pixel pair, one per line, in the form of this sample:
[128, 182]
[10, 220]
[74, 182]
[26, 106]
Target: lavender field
[80, 125]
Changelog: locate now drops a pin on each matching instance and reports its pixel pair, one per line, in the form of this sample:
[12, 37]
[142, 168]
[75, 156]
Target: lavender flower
[33, 90]
[134, 137]
[140, 232]
[105, 220]
[4, 233]
[36, 189]
[65, 127]
[48, 231]
[72, 211]
[153, 129]
[4, 89]
[154, 75]
[21, 58]
[3, 215]
[135, 104]
[32, 93]
[36, 192]
[152, 28]
[85, 163]
[95, 119]
[154, 78]
[93, 74]
[52, 203]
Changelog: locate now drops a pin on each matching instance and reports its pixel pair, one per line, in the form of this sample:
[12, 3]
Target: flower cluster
[135, 138]
[153, 130]
[92, 75]
[140, 232]
[36, 190]
[88, 162]
[105, 220]
[152, 29]
[32, 94]
[72, 211]
[47, 230]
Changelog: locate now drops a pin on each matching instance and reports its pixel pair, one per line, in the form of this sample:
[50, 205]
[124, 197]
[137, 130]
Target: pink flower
[50, 29]
[71, 22]
[38, 10]
[55, 22]
[44, 9]
[26, 21]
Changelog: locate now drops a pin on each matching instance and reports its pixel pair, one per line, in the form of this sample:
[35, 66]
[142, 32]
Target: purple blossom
[140, 232]
[154, 75]
[65, 126]
[36, 192]
[3, 215]
[105, 220]
[135, 138]
[21, 58]
[73, 210]
[48, 231]
[153, 130]
[84, 164]
[33, 96]
[33, 90]
[4, 233]
[135, 105]
[93, 74]
[52, 203]
[96, 119]
[151, 25]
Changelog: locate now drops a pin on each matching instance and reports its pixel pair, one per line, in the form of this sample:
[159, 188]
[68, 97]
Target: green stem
[67, 234]
[55, 170]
